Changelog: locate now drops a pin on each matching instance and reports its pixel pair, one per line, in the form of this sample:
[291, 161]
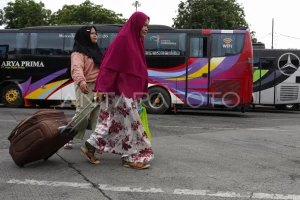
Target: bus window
[182, 44]
[105, 39]
[113, 36]
[69, 42]
[3, 52]
[46, 43]
[22, 41]
[227, 44]
[10, 40]
[267, 64]
[198, 47]
[165, 44]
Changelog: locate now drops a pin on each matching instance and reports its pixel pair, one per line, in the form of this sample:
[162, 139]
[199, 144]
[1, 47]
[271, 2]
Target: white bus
[276, 77]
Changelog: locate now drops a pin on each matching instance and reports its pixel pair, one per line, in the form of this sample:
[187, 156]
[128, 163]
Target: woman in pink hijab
[123, 80]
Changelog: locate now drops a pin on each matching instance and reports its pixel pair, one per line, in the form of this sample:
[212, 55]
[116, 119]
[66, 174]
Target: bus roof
[98, 26]
[116, 27]
[276, 50]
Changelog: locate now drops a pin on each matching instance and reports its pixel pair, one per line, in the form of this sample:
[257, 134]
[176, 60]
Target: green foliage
[24, 13]
[254, 39]
[1, 17]
[85, 13]
[210, 14]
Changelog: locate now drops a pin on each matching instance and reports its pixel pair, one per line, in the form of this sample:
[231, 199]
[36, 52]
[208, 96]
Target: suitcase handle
[61, 130]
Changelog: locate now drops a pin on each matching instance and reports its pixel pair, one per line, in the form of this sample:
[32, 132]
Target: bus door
[197, 76]
[3, 57]
[267, 76]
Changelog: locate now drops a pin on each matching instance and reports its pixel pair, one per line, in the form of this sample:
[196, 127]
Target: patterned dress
[119, 130]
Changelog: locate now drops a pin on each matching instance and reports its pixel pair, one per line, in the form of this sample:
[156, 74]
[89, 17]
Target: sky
[259, 14]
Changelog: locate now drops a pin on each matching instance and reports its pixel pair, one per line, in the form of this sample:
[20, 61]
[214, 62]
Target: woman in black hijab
[85, 63]
[86, 43]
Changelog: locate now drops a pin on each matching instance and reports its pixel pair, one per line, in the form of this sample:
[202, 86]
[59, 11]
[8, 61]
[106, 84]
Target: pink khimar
[123, 70]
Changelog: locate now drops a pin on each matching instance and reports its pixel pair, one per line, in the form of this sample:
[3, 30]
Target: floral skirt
[119, 130]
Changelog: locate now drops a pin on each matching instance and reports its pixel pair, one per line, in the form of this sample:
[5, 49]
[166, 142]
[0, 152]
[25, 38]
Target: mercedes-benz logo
[288, 64]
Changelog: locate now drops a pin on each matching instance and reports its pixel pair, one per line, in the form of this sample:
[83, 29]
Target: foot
[90, 156]
[68, 145]
[135, 165]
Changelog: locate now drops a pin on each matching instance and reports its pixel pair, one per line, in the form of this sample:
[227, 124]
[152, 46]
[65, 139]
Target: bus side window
[165, 44]
[21, 43]
[198, 47]
[182, 44]
[10, 40]
[3, 51]
[46, 43]
[104, 40]
[227, 44]
[267, 64]
[69, 43]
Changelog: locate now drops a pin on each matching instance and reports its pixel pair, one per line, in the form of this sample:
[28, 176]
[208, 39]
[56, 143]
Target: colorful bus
[276, 78]
[192, 68]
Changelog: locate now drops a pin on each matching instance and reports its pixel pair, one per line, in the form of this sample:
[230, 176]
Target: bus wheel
[158, 101]
[12, 96]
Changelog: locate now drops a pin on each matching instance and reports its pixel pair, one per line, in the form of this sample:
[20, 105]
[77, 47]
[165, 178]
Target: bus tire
[12, 96]
[164, 100]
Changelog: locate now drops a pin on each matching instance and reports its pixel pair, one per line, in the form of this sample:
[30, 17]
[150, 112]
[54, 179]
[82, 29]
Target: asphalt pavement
[203, 154]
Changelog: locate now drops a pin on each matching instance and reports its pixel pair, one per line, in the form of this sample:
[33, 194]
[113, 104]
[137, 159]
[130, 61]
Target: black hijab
[83, 44]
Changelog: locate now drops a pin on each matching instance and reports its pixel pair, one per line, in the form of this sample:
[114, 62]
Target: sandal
[136, 165]
[90, 156]
[68, 145]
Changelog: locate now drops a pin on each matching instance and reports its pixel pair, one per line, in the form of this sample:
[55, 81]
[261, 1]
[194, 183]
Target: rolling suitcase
[43, 134]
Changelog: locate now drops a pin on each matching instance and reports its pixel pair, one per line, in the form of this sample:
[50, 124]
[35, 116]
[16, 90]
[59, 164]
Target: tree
[1, 17]
[210, 14]
[254, 39]
[85, 13]
[24, 13]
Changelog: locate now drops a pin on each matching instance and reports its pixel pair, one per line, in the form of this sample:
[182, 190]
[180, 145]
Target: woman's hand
[84, 88]
[100, 97]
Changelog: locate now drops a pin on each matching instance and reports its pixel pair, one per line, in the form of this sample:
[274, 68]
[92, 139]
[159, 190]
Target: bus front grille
[289, 93]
